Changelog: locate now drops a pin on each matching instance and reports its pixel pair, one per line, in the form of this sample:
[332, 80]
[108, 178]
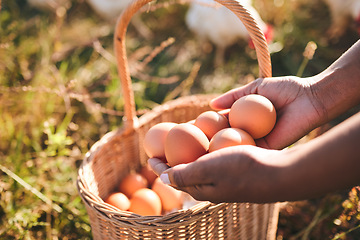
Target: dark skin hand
[252, 174]
[295, 94]
[303, 104]
[262, 173]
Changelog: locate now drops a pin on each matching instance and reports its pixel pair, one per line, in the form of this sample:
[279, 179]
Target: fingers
[182, 175]
[204, 193]
[199, 172]
[188, 178]
[157, 165]
[227, 99]
[178, 176]
[262, 143]
[182, 178]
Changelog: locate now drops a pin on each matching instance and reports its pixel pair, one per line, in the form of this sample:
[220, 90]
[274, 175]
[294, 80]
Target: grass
[60, 92]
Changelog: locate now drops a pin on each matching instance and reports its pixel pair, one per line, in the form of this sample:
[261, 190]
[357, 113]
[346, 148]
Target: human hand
[255, 174]
[233, 174]
[252, 174]
[298, 109]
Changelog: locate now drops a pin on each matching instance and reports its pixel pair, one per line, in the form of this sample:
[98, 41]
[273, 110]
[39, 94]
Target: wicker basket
[120, 152]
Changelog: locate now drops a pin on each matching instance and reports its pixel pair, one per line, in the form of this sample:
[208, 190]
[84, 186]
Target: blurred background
[60, 93]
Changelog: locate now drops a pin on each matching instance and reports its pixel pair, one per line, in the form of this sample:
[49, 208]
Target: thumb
[172, 177]
[183, 178]
[227, 99]
[185, 175]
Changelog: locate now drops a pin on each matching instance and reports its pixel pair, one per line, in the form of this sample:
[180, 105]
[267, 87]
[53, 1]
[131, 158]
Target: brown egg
[170, 197]
[145, 202]
[184, 144]
[131, 183]
[119, 200]
[154, 139]
[254, 114]
[230, 137]
[210, 122]
[148, 174]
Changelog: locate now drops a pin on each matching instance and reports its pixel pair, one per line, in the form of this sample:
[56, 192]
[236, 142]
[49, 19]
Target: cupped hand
[298, 109]
[233, 174]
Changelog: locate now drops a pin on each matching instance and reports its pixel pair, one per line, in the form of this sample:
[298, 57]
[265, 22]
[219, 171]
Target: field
[60, 93]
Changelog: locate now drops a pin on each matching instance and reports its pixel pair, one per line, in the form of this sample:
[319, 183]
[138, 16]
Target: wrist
[337, 88]
[325, 164]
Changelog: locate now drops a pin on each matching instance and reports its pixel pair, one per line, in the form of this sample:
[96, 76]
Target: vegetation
[60, 92]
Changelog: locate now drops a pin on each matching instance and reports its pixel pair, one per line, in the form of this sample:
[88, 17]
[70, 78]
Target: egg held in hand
[119, 200]
[184, 144]
[210, 122]
[145, 202]
[253, 113]
[230, 137]
[154, 139]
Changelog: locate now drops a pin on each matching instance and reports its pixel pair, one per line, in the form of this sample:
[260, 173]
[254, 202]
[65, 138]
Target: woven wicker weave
[120, 152]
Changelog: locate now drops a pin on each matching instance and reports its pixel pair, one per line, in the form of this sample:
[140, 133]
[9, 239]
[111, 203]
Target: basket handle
[257, 36]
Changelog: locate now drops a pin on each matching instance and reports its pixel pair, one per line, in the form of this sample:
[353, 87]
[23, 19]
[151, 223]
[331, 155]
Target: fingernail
[164, 177]
[151, 160]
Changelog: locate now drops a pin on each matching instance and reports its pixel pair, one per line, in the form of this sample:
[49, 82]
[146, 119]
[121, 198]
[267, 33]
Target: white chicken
[50, 5]
[342, 13]
[111, 9]
[107, 9]
[214, 22]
